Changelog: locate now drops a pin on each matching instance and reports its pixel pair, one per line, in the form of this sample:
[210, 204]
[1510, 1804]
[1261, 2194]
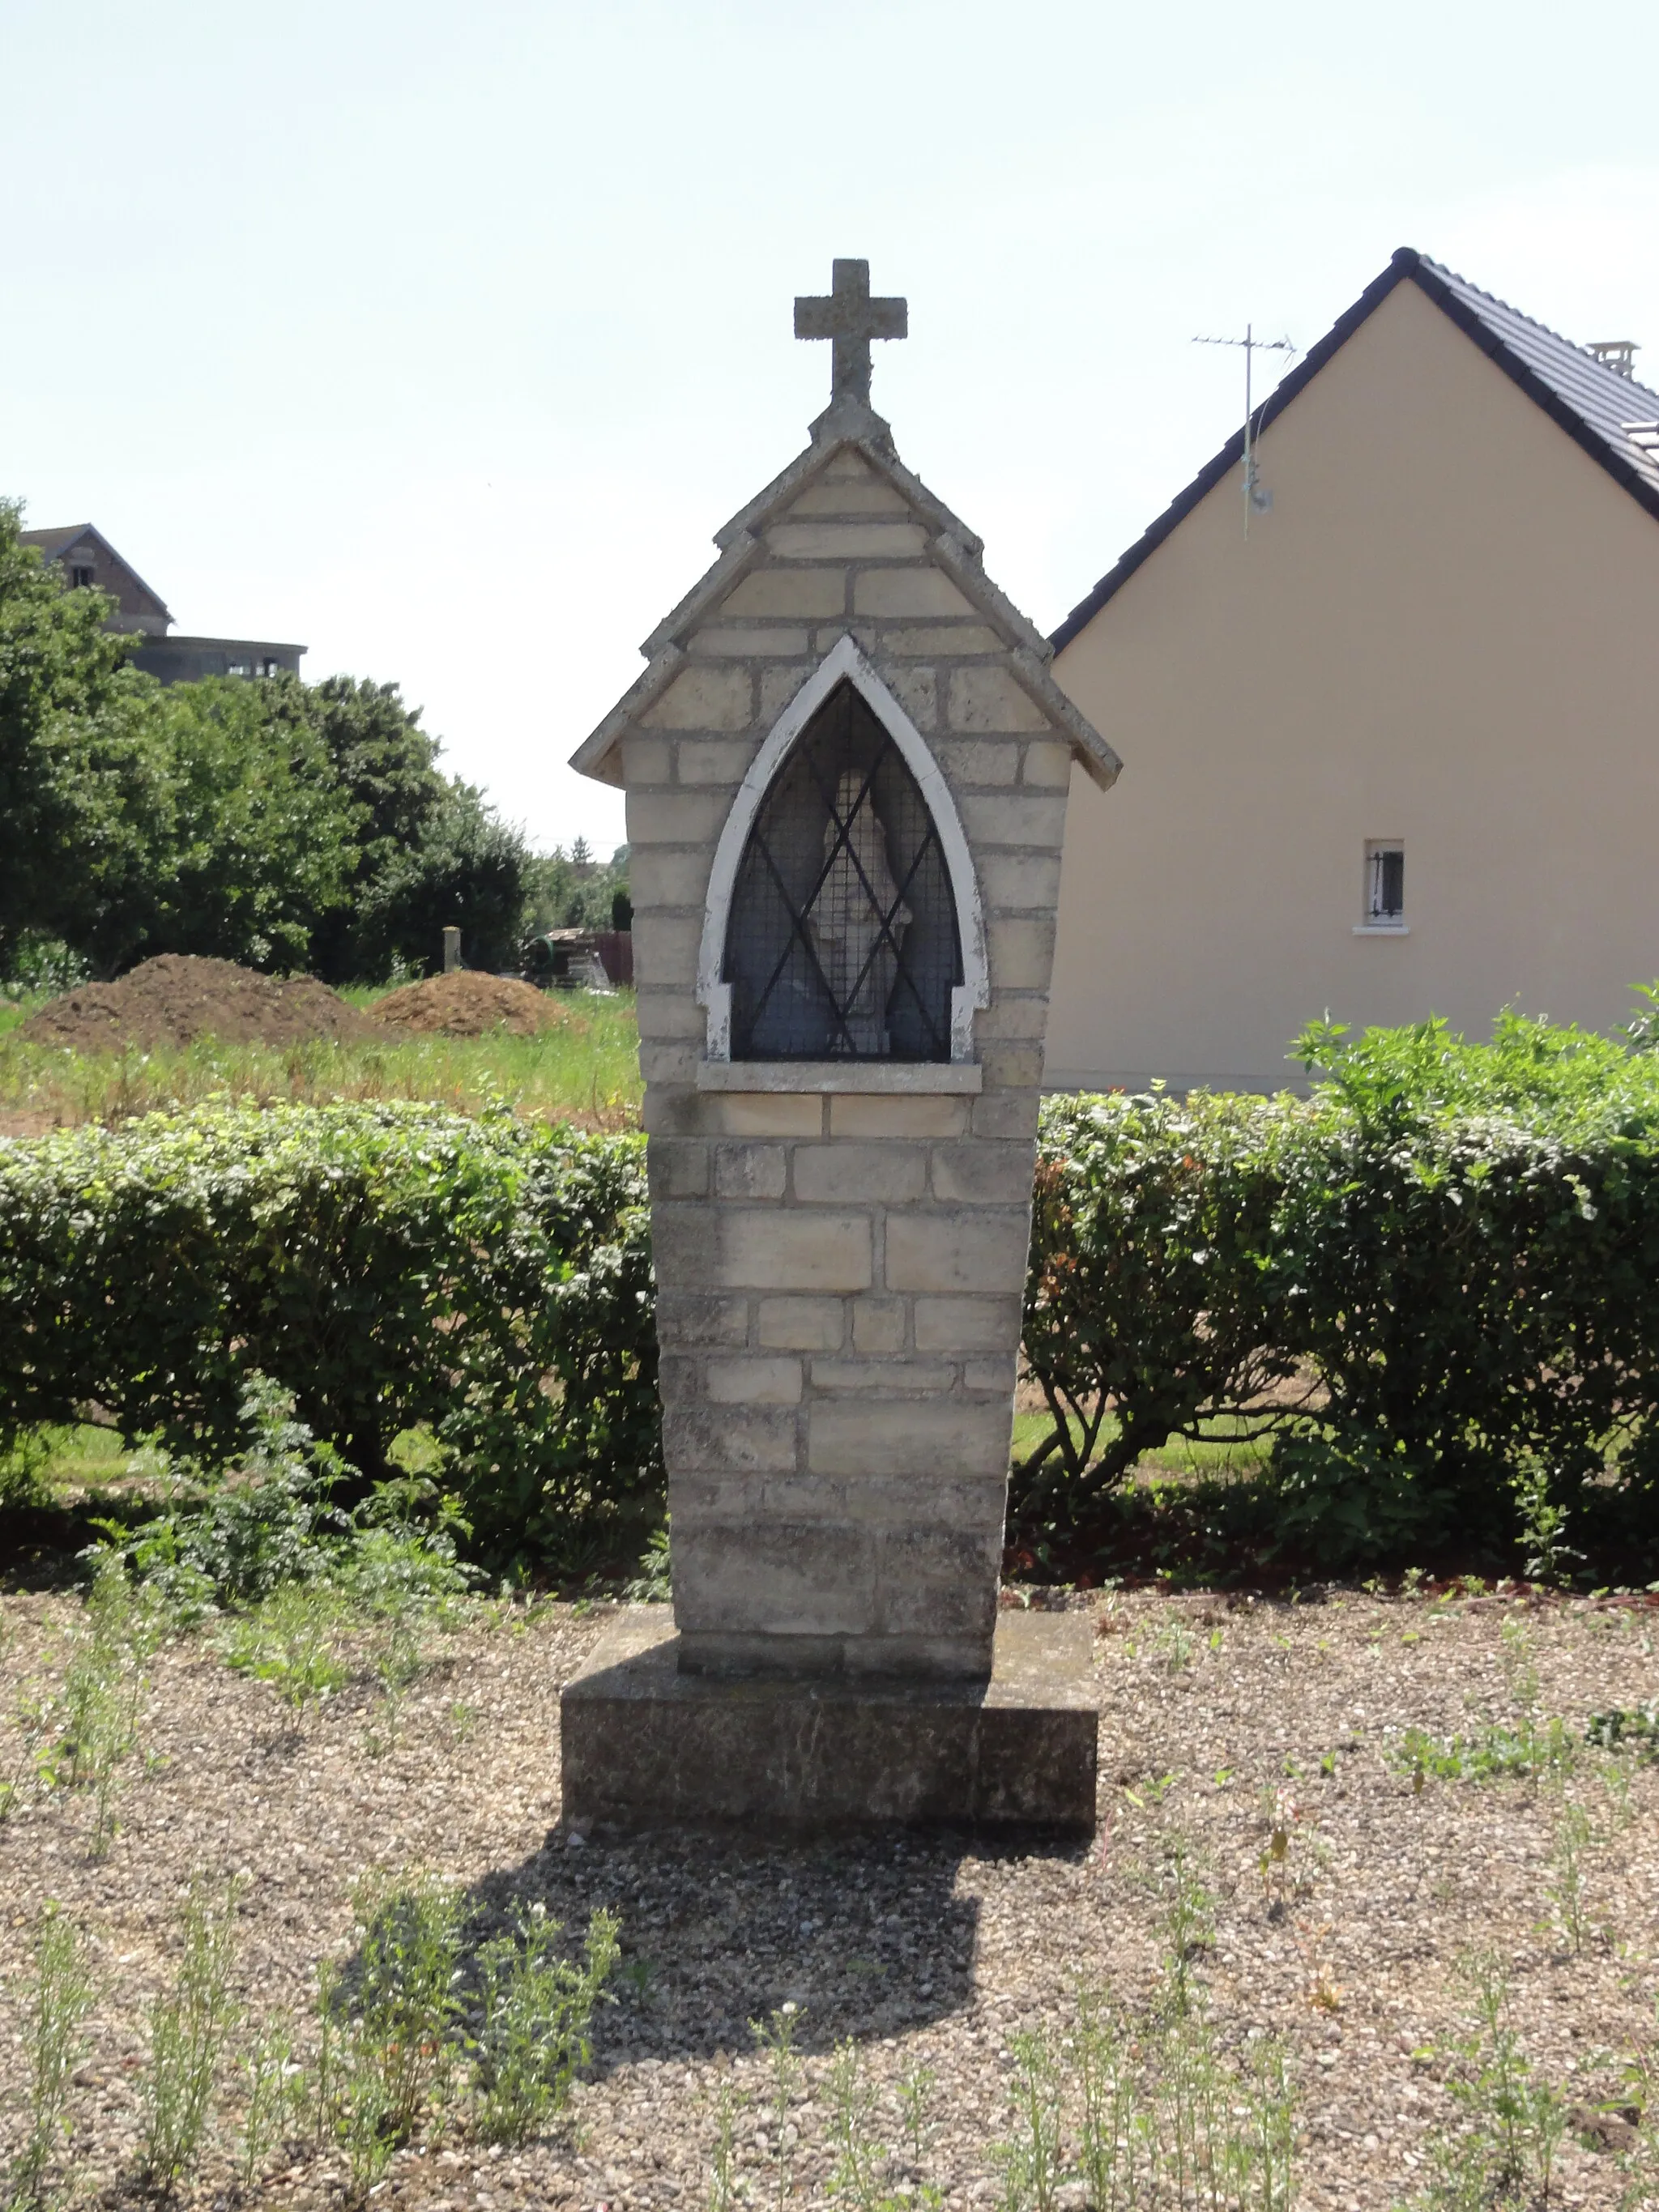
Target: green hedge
[1436, 1282]
[1433, 1286]
[388, 1264]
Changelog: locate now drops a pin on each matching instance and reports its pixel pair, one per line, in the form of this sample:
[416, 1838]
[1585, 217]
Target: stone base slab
[646, 1745]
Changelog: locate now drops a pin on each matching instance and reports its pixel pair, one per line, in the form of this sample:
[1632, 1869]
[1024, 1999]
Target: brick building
[90, 562]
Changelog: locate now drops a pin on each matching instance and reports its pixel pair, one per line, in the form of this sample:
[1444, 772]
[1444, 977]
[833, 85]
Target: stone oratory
[847, 767]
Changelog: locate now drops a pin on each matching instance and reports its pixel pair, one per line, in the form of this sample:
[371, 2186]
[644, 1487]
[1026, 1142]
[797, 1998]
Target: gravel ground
[925, 1953]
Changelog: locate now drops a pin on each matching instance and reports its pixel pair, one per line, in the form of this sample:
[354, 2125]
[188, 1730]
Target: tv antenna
[1257, 498]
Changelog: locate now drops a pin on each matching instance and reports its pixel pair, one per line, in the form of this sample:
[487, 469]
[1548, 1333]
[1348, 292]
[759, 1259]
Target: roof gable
[939, 538]
[1596, 407]
[56, 545]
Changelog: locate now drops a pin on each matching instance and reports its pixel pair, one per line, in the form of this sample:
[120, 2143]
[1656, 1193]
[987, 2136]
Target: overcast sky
[441, 338]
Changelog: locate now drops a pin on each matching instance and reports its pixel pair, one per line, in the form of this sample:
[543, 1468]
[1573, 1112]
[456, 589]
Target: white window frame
[844, 662]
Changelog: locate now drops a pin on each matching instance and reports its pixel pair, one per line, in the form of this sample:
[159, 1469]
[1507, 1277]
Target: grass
[585, 1071]
[1220, 1454]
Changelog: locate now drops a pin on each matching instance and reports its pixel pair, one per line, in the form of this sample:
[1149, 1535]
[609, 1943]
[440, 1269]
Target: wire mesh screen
[842, 940]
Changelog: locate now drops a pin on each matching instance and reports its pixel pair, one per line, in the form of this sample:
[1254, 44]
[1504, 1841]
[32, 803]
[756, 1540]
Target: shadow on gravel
[865, 1934]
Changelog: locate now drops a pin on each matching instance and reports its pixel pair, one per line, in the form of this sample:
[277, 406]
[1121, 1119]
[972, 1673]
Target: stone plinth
[647, 1744]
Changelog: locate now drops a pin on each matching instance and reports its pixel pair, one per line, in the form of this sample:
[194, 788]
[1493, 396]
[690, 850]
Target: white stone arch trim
[843, 663]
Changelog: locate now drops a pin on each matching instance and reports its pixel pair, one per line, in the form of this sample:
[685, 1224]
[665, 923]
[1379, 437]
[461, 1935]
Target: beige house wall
[1447, 632]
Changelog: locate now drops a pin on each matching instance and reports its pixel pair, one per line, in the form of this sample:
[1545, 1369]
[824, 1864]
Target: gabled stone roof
[949, 545]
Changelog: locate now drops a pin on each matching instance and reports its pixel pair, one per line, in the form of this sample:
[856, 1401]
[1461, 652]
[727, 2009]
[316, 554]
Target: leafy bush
[387, 1265]
[1146, 1288]
[1434, 1285]
[1436, 1280]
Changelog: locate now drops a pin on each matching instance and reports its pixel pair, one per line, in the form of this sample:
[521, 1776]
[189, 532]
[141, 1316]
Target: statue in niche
[858, 895]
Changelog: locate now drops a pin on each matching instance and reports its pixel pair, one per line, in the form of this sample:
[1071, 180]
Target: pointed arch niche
[843, 942]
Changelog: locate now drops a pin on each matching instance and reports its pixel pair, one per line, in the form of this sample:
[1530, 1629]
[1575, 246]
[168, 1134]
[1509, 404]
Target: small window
[240, 668]
[80, 579]
[270, 666]
[1385, 885]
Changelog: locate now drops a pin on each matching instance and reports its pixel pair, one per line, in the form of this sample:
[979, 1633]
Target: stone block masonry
[841, 1249]
[888, 1231]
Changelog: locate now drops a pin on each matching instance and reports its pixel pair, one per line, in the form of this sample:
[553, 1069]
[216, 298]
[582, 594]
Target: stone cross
[849, 317]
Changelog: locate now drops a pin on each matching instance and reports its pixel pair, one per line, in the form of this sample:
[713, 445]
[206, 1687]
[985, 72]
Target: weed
[1520, 1674]
[915, 2093]
[1547, 1556]
[53, 2038]
[1616, 1780]
[188, 2033]
[724, 2185]
[1514, 2121]
[1165, 2121]
[536, 2009]
[397, 1664]
[1186, 1919]
[654, 1583]
[287, 1641]
[94, 1723]
[1278, 1878]
[1573, 1839]
[1528, 1750]
[1626, 1728]
[365, 2129]
[1138, 2112]
[1325, 1993]
[776, 2037]
[1175, 1644]
[1032, 2160]
[1641, 2162]
[858, 2157]
[587, 1067]
[1270, 2114]
[397, 2054]
[1117, 2141]
[267, 2076]
[36, 1720]
[1154, 1788]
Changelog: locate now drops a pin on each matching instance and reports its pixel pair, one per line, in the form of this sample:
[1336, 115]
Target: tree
[565, 891]
[263, 838]
[429, 850]
[384, 763]
[278, 823]
[80, 791]
[469, 869]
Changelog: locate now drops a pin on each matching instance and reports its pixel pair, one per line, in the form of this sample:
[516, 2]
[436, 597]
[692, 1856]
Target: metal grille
[842, 941]
[1387, 883]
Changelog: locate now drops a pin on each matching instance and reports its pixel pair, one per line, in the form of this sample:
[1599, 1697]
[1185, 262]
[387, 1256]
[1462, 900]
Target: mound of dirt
[464, 1005]
[175, 999]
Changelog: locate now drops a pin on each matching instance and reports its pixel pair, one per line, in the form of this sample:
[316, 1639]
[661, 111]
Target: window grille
[1385, 871]
[842, 940]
